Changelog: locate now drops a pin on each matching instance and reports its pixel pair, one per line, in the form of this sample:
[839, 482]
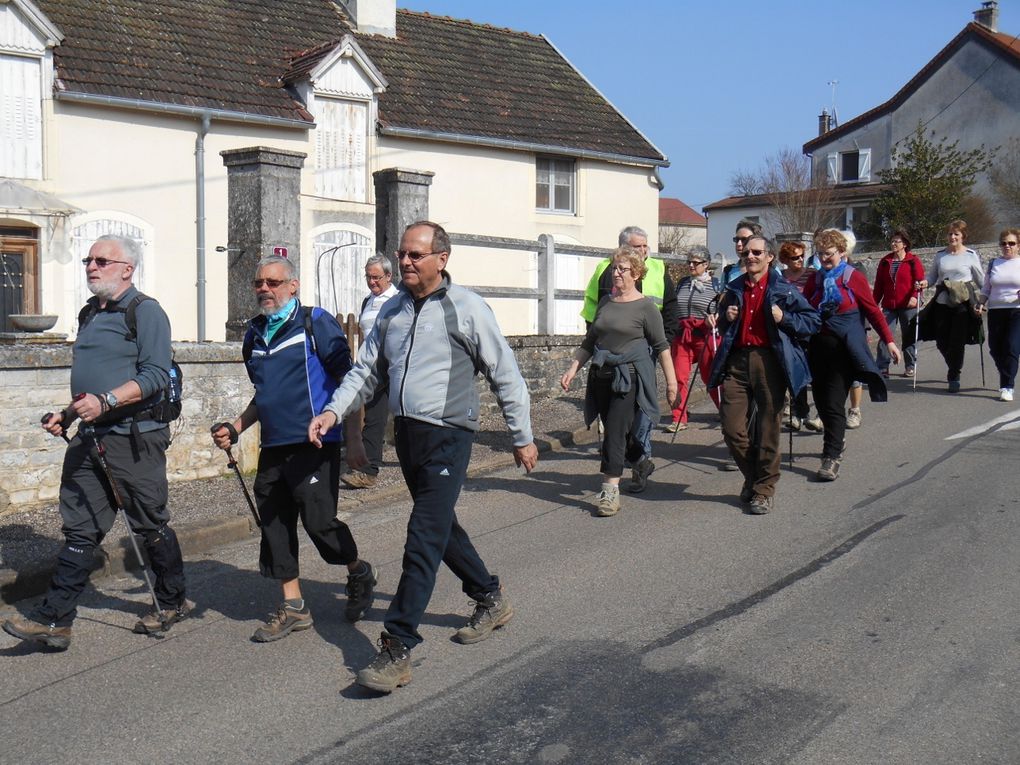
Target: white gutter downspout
[203, 130]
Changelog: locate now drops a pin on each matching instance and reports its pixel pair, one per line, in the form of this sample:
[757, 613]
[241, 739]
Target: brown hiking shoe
[358, 480]
[161, 621]
[285, 621]
[390, 669]
[49, 635]
[489, 614]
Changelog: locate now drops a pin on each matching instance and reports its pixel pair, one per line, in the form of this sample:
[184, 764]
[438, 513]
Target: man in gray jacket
[427, 343]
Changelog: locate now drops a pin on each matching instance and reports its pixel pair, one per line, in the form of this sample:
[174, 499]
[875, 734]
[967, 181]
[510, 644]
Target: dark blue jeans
[434, 462]
[1004, 343]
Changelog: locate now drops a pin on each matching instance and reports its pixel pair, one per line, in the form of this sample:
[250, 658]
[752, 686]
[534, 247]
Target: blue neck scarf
[276, 320]
[832, 296]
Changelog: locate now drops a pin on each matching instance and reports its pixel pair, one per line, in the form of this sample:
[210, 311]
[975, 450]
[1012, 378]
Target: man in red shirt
[762, 318]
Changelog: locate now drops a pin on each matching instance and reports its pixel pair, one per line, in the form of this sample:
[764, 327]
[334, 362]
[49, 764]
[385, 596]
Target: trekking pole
[917, 336]
[790, 452]
[687, 399]
[982, 363]
[100, 454]
[232, 463]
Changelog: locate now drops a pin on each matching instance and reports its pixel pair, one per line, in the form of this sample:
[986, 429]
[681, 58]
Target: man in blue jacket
[763, 320]
[429, 343]
[296, 357]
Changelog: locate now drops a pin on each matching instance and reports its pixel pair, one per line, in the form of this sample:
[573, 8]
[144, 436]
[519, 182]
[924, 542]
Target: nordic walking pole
[100, 453]
[917, 337]
[232, 463]
[687, 399]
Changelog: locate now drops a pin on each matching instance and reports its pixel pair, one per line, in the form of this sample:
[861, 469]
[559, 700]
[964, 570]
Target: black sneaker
[489, 614]
[829, 469]
[639, 476]
[390, 669]
[360, 592]
[761, 505]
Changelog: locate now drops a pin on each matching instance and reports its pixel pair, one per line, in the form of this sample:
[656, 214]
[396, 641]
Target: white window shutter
[341, 149]
[864, 165]
[832, 168]
[20, 117]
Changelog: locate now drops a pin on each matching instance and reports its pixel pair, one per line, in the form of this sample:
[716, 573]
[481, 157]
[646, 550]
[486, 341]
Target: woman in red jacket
[897, 286]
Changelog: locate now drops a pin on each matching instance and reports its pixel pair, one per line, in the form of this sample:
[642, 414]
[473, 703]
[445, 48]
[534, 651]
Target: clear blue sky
[719, 85]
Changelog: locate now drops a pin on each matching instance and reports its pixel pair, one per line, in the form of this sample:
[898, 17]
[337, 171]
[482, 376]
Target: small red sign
[280, 251]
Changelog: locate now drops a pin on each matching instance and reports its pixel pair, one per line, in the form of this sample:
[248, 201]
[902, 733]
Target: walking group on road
[759, 338]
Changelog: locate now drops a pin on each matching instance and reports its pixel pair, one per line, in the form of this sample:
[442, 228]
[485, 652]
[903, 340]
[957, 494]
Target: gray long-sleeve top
[618, 324]
[961, 267]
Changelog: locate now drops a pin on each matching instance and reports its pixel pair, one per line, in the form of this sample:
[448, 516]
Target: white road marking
[1012, 418]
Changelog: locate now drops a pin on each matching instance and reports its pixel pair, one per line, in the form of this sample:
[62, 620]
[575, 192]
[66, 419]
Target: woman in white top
[1000, 296]
[953, 269]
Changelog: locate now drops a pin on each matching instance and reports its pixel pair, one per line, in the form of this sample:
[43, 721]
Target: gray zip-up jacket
[430, 354]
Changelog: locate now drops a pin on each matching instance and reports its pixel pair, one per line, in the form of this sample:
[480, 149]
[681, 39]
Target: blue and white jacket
[292, 381]
[429, 352]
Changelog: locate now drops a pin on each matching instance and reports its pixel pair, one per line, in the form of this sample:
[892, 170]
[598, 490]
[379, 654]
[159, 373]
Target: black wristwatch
[109, 399]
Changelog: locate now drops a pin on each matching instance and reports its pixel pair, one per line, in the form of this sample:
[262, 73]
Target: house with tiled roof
[967, 93]
[682, 229]
[116, 112]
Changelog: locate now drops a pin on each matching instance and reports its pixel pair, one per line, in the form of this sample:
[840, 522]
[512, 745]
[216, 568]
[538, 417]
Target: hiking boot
[489, 614]
[675, 427]
[760, 505]
[853, 419]
[390, 669]
[358, 480]
[829, 469]
[747, 494]
[639, 476]
[814, 424]
[160, 621]
[360, 592]
[50, 635]
[793, 423]
[607, 502]
[285, 621]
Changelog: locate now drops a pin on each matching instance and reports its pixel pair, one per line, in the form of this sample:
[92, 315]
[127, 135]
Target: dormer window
[849, 166]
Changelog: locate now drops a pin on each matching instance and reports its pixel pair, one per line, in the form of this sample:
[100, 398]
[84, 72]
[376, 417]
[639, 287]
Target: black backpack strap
[306, 311]
[87, 312]
[129, 314]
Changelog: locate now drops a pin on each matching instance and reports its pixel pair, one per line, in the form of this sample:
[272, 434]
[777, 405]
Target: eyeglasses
[271, 283]
[756, 253]
[1007, 244]
[102, 262]
[696, 263]
[622, 269]
[415, 257]
[375, 278]
[741, 239]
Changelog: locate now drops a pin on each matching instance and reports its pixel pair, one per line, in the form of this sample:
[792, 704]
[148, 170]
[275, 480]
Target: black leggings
[617, 413]
[831, 377]
[952, 324]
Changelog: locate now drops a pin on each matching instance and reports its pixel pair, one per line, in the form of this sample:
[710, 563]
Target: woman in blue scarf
[839, 353]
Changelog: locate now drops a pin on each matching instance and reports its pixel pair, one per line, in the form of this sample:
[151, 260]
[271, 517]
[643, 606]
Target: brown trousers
[754, 376]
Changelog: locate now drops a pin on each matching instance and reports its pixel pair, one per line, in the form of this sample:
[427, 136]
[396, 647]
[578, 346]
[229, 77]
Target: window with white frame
[20, 117]
[555, 184]
[341, 149]
[848, 166]
[340, 256]
[85, 233]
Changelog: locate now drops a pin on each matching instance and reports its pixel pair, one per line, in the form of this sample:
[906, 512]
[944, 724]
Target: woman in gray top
[622, 373]
[955, 271]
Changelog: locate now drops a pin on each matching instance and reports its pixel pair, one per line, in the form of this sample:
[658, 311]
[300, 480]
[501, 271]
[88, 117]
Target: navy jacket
[292, 382]
[800, 321]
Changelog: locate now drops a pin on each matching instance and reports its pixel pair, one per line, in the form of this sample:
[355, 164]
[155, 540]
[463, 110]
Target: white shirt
[371, 310]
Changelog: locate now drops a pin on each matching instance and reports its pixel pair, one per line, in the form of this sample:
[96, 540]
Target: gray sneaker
[607, 503]
[761, 505]
[390, 669]
[361, 592]
[639, 476]
[814, 424]
[489, 614]
[853, 418]
[155, 622]
[829, 469]
[285, 621]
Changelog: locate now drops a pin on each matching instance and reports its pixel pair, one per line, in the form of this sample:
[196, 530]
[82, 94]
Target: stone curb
[205, 536]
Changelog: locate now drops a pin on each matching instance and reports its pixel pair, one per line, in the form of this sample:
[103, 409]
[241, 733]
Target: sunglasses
[415, 257]
[271, 283]
[696, 263]
[102, 262]
[741, 239]
[1007, 244]
[756, 253]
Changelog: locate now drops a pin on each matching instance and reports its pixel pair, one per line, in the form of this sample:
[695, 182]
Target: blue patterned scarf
[832, 296]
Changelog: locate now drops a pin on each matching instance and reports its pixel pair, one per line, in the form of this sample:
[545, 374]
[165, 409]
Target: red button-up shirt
[753, 331]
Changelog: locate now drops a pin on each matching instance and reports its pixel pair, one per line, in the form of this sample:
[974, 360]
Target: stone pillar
[263, 212]
[401, 198]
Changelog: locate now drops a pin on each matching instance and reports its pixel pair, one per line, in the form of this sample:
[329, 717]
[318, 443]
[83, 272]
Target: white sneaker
[853, 418]
[1005, 394]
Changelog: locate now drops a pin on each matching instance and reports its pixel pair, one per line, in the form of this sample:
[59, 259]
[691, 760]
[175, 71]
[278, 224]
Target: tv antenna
[835, 117]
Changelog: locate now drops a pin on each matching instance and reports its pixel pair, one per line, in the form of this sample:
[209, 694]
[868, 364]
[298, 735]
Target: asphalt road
[871, 620]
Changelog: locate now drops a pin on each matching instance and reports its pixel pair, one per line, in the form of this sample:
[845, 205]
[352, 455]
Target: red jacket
[855, 295]
[897, 296]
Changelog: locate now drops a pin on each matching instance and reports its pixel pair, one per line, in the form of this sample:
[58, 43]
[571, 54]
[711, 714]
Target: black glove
[230, 429]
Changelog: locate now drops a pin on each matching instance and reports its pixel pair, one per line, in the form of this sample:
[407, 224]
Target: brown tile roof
[1005, 44]
[445, 75]
[840, 195]
[674, 212]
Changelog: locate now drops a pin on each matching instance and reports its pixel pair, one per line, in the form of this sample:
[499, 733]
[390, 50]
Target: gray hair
[130, 247]
[624, 239]
[770, 246]
[382, 261]
[272, 260]
[752, 226]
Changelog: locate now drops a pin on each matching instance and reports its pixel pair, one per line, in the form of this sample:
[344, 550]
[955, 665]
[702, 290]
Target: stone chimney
[988, 15]
[374, 17]
[824, 122]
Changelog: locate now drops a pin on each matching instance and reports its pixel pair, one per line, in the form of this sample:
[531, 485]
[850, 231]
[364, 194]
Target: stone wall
[35, 379]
